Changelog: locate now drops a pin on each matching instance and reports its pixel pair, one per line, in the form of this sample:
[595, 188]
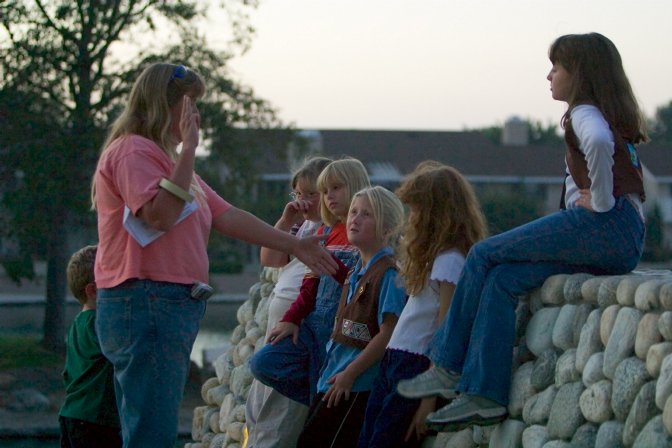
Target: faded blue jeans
[147, 330]
[476, 338]
[293, 370]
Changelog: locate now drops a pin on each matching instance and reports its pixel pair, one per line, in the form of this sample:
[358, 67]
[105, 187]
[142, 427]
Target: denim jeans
[147, 330]
[476, 338]
[293, 369]
[388, 414]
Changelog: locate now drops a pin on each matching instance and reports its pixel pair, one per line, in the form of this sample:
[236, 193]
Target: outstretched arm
[242, 225]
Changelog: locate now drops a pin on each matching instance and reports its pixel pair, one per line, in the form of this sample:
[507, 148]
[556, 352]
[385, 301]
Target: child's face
[561, 82]
[307, 191]
[336, 199]
[361, 225]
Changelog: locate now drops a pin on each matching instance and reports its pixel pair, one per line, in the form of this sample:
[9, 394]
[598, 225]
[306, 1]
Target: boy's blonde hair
[447, 215]
[388, 212]
[80, 271]
[148, 111]
[351, 174]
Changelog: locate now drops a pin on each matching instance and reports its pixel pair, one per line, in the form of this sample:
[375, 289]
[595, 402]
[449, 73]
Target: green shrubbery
[26, 351]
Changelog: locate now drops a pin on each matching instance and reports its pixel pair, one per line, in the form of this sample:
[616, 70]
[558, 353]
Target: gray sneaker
[467, 410]
[432, 382]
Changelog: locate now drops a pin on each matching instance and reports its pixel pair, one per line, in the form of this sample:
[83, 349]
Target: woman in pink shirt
[154, 218]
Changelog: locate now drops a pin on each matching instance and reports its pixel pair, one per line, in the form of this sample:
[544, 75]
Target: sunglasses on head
[179, 72]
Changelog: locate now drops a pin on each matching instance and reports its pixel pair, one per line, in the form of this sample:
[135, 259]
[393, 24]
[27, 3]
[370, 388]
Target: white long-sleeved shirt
[596, 142]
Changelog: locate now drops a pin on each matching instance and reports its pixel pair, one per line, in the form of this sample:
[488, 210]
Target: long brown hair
[445, 214]
[148, 110]
[598, 78]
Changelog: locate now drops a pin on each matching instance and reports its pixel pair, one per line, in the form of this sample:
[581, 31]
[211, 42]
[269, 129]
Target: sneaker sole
[448, 394]
[476, 420]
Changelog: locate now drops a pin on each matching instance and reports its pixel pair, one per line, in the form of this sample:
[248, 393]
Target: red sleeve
[342, 272]
[305, 301]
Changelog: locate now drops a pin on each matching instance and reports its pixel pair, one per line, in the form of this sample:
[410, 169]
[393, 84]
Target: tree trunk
[54, 311]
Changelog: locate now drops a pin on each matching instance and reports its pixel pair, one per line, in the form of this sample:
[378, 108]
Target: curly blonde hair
[445, 214]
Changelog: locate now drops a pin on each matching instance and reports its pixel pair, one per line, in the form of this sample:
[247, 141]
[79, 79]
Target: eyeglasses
[296, 196]
[179, 72]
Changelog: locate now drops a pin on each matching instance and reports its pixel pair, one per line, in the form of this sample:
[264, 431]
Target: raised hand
[190, 123]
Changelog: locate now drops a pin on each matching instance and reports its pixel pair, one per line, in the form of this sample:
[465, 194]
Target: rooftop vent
[515, 132]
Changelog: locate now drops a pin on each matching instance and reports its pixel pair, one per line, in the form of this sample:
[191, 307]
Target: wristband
[176, 190]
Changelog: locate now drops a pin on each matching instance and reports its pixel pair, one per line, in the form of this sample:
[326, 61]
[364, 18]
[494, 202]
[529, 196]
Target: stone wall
[592, 368]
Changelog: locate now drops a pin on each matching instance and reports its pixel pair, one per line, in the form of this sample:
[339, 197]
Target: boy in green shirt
[89, 414]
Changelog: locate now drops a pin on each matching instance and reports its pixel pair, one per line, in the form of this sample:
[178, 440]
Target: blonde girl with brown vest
[370, 305]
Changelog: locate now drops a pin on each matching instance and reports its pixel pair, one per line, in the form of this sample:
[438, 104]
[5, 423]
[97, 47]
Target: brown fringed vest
[357, 321]
[627, 168]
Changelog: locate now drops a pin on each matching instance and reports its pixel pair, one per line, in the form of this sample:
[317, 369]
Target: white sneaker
[432, 382]
[467, 410]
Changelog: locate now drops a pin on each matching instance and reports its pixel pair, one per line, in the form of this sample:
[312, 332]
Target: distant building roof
[391, 154]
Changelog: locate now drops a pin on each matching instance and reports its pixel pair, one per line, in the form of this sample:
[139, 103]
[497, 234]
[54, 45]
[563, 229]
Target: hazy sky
[438, 64]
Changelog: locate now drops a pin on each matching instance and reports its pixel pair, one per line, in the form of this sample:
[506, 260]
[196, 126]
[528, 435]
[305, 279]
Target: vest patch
[355, 330]
[633, 155]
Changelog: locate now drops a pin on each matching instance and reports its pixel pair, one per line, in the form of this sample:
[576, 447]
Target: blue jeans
[388, 414]
[293, 370]
[147, 330]
[476, 338]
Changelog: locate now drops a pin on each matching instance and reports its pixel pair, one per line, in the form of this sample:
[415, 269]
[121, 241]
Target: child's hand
[418, 425]
[282, 330]
[584, 199]
[294, 210]
[341, 385]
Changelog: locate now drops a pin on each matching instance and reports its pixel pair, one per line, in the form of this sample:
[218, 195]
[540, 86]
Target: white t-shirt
[291, 274]
[420, 318]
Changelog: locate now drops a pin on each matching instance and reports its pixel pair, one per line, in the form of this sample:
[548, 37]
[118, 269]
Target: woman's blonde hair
[445, 214]
[388, 212]
[351, 174]
[148, 111]
[598, 78]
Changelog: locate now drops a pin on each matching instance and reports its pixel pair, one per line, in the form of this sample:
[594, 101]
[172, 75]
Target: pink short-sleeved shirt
[128, 174]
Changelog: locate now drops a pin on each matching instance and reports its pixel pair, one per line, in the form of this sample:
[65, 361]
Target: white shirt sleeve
[448, 267]
[596, 142]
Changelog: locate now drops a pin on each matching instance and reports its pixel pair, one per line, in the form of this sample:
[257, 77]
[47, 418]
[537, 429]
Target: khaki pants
[272, 419]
